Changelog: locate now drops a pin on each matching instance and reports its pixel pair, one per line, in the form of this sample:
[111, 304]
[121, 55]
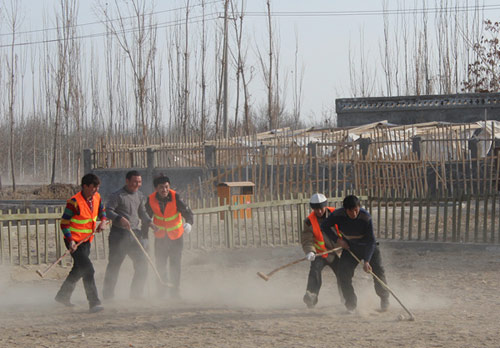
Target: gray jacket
[122, 203]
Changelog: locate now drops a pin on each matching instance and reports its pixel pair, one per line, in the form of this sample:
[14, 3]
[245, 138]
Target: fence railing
[461, 218]
[34, 237]
[370, 160]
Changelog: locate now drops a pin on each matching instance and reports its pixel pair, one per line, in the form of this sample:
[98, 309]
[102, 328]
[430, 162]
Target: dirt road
[453, 294]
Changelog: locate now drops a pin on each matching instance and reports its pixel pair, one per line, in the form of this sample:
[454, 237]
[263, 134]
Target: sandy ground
[453, 292]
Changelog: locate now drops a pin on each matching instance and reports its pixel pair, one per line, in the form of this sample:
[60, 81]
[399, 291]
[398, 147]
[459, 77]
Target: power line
[257, 14]
[292, 14]
[110, 20]
[208, 17]
[372, 12]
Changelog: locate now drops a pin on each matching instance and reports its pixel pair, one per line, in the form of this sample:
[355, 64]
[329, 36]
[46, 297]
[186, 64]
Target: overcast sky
[324, 35]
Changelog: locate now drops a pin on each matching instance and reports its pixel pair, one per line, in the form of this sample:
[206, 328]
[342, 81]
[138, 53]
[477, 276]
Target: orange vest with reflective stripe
[169, 222]
[319, 242]
[84, 224]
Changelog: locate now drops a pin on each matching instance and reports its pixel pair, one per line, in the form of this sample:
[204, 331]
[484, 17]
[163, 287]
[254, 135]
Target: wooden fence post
[312, 150]
[364, 145]
[87, 161]
[210, 156]
[228, 224]
[151, 163]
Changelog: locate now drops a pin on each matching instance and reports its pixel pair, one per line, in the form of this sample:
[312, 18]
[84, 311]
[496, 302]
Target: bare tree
[362, 80]
[280, 93]
[1, 89]
[185, 99]
[110, 81]
[242, 69]
[406, 59]
[270, 113]
[155, 87]
[21, 119]
[13, 20]
[298, 81]
[268, 72]
[219, 73]
[415, 62]
[386, 55]
[203, 120]
[425, 53]
[239, 57]
[76, 102]
[66, 32]
[484, 73]
[33, 115]
[47, 83]
[225, 70]
[139, 49]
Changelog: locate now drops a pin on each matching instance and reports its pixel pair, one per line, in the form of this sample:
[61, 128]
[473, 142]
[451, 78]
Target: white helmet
[317, 201]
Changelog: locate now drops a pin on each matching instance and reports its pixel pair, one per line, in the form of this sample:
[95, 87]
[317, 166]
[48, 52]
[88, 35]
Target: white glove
[310, 256]
[187, 228]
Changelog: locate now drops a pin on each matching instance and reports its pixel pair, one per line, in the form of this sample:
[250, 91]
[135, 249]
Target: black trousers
[82, 268]
[348, 264]
[168, 250]
[121, 244]
[314, 280]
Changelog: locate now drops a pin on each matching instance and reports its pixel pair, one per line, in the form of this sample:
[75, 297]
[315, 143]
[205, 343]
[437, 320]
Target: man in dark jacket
[167, 210]
[126, 210]
[356, 229]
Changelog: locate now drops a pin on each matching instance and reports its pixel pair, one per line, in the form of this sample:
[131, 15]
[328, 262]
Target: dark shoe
[64, 301]
[384, 304]
[310, 299]
[95, 309]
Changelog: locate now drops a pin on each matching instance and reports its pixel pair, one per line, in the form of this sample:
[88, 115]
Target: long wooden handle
[68, 251]
[412, 317]
[149, 259]
[300, 260]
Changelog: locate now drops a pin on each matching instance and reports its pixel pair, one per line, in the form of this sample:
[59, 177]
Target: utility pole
[224, 66]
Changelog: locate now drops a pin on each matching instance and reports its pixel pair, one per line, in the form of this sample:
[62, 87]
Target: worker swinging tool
[315, 243]
[66, 253]
[79, 223]
[320, 251]
[351, 227]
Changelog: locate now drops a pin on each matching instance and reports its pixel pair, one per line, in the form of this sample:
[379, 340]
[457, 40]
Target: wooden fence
[34, 237]
[376, 161]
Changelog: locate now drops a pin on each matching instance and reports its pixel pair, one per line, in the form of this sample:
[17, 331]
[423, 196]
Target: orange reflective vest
[85, 223]
[319, 242]
[169, 222]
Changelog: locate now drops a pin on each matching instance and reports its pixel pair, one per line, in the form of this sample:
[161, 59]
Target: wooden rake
[168, 285]
[267, 276]
[412, 317]
[67, 252]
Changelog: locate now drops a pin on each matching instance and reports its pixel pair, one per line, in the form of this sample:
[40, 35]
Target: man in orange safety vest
[78, 223]
[167, 210]
[313, 243]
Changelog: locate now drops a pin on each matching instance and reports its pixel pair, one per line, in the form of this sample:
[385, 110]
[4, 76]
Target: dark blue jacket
[358, 232]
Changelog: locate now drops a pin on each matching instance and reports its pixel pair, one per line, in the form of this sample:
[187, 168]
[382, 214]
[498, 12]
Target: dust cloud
[225, 304]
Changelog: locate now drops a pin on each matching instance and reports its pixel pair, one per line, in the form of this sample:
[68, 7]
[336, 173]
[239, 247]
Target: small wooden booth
[234, 193]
